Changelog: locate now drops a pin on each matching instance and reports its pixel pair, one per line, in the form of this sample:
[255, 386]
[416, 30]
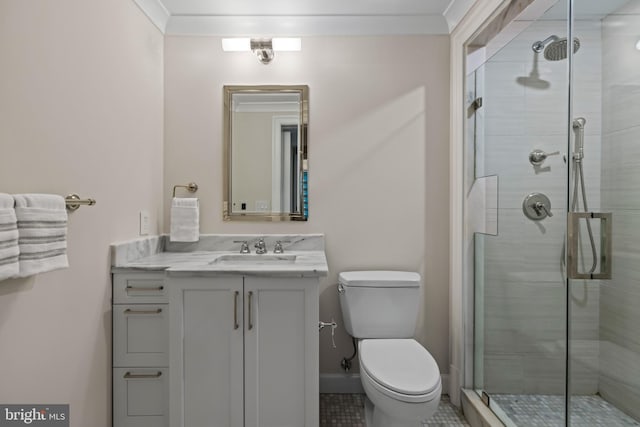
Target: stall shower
[553, 144]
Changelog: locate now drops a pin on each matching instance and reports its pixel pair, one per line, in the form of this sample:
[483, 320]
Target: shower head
[555, 48]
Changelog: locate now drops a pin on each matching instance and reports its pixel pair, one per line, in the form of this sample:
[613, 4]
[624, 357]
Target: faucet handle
[278, 249]
[244, 248]
[537, 157]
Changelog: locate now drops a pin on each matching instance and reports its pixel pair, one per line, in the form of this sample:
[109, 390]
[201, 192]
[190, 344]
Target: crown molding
[456, 10]
[274, 26]
[156, 12]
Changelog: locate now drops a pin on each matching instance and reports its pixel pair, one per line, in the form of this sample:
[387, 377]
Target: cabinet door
[140, 397]
[206, 365]
[140, 335]
[281, 352]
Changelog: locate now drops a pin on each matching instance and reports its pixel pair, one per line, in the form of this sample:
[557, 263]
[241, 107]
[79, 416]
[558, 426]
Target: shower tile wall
[524, 288]
[620, 297]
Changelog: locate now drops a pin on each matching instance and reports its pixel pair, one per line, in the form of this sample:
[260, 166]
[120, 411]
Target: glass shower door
[603, 288]
[520, 286]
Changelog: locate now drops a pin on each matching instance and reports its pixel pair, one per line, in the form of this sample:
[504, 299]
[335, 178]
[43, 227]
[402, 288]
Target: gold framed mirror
[265, 153]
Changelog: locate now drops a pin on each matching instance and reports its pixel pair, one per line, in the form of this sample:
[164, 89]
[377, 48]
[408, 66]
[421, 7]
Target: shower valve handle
[540, 208]
[537, 157]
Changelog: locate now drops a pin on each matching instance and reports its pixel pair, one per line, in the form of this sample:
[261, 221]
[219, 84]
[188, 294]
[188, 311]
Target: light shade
[236, 45]
[284, 44]
[281, 44]
[638, 45]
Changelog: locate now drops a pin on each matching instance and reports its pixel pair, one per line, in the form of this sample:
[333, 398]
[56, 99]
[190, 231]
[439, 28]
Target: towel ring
[192, 187]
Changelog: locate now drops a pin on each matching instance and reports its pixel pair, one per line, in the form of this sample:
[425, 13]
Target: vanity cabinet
[244, 351]
[140, 350]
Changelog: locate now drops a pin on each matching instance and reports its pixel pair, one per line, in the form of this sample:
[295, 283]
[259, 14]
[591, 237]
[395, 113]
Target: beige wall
[80, 111]
[378, 156]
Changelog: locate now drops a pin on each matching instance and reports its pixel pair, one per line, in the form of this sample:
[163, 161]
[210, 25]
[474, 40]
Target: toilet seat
[401, 369]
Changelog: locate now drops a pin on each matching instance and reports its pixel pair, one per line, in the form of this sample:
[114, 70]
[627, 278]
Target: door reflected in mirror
[265, 153]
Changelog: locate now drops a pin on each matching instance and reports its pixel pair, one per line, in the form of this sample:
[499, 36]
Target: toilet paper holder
[334, 325]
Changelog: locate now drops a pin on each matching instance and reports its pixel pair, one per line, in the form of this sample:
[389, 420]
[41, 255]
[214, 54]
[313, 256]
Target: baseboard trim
[445, 383]
[454, 385]
[350, 383]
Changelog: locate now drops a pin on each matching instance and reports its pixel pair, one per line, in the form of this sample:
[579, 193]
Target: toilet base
[377, 418]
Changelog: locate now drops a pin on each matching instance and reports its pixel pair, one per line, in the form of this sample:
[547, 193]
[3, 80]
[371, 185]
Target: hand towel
[185, 220]
[9, 251]
[42, 230]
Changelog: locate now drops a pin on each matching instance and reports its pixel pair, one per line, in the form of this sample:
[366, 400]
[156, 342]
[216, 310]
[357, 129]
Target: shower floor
[543, 410]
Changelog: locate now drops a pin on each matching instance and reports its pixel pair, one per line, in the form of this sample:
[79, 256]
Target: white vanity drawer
[140, 397]
[139, 288]
[141, 335]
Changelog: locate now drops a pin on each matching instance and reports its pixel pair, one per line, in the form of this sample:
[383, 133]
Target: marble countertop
[204, 259]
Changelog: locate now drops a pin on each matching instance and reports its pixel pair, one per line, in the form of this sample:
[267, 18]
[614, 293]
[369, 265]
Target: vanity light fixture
[638, 44]
[263, 48]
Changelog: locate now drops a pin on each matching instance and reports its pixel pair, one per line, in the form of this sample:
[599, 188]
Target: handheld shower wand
[578, 126]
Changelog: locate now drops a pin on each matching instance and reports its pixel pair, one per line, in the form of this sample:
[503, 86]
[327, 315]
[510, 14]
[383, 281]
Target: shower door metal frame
[571, 165]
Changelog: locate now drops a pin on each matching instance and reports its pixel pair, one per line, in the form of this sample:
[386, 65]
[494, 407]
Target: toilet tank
[379, 304]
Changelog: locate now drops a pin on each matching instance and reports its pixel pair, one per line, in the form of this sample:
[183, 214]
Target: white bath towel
[42, 229]
[9, 251]
[185, 220]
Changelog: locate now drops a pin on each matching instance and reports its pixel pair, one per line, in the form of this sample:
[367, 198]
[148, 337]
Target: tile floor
[548, 411]
[347, 410]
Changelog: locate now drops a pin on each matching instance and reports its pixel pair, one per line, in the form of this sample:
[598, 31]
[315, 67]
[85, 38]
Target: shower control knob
[536, 206]
[537, 157]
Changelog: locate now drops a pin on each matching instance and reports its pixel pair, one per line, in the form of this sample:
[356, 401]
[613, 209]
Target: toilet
[399, 376]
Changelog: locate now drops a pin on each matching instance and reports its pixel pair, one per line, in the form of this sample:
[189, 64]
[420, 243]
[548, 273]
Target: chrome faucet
[244, 247]
[261, 247]
[278, 249]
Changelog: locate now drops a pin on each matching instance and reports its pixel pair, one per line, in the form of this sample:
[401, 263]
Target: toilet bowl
[400, 377]
[401, 380]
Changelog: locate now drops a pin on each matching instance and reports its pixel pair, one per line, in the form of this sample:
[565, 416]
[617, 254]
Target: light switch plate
[144, 223]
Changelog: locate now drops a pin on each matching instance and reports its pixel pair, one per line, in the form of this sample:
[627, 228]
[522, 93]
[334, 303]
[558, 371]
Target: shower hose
[579, 177]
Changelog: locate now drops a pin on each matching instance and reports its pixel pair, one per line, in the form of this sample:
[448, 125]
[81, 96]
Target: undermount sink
[255, 259]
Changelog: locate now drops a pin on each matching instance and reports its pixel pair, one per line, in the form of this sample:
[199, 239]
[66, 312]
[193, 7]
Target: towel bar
[74, 201]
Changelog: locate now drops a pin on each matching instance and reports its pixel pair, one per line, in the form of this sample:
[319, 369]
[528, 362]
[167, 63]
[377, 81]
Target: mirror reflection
[266, 153]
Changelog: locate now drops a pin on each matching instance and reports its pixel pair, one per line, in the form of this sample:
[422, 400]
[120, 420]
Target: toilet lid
[401, 365]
